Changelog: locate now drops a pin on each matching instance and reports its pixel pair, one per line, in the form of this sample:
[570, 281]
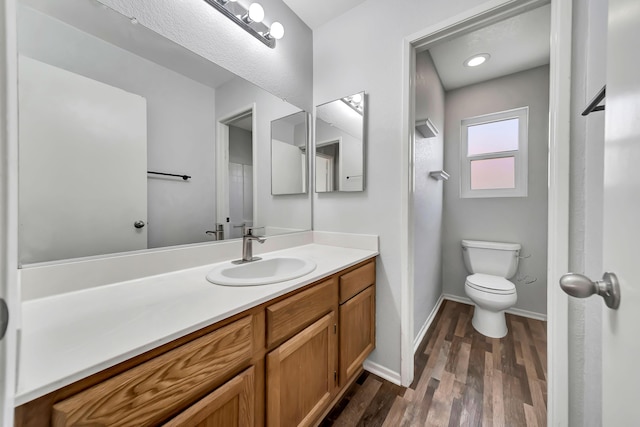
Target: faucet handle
[249, 230]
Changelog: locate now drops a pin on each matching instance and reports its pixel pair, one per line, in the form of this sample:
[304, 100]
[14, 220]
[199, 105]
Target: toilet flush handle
[580, 286]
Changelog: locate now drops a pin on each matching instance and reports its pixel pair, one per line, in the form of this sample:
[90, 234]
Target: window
[493, 155]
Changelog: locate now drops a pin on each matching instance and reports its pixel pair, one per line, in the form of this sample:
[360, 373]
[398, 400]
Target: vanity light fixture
[355, 101]
[476, 60]
[276, 31]
[251, 20]
[254, 14]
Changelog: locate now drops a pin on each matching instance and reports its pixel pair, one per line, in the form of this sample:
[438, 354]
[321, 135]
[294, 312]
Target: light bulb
[256, 12]
[357, 98]
[276, 31]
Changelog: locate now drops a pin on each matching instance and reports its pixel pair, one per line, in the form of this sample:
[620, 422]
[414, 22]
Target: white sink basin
[263, 272]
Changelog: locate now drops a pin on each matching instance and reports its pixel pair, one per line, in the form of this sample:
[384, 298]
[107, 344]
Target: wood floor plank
[421, 409]
[462, 378]
[379, 407]
[396, 414]
[539, 401]
[512, 394]
[530, 416]
[440, 411]
[487, 395]
[498, 400]
[461, 326]
[359, 403]
[463, 362]
[438, 369]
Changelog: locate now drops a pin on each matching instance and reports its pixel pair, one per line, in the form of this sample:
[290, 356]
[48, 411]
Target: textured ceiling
[315, 13]
[515, 44]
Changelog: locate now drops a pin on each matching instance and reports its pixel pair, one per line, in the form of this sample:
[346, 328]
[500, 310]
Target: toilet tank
[496, 258]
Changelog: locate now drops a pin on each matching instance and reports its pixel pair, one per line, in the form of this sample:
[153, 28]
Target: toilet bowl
[490, 265]
[491, 295]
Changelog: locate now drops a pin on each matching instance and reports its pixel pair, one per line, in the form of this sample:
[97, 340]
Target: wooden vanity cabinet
[231, 405]
[282, 363]
[357, 319]
[301, 375]
[301, 371]
[151, 392]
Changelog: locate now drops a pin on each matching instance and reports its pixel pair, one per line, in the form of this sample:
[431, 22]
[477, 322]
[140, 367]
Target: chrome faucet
[247, 248]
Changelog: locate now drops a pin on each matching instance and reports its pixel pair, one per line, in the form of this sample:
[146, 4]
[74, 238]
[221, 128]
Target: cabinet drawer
[295, 313]
[357, 280]
[155, 390]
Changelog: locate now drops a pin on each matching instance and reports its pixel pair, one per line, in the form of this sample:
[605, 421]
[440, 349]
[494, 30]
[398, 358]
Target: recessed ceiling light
[476, 60]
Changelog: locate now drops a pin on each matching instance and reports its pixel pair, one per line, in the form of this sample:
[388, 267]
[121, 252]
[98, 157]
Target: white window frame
[520, 155]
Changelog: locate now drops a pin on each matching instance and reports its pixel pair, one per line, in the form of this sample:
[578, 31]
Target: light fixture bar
[269, 41]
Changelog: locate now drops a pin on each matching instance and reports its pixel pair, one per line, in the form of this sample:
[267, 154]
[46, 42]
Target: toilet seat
[490, 284]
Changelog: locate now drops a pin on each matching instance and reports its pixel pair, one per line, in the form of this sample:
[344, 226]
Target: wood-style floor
[462, 378]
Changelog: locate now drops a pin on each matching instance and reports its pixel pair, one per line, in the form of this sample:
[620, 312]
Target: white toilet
[490, 265]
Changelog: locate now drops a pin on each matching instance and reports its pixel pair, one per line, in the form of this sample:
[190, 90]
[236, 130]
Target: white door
[286, 170]
[621, 335]
[240, 199]
[82, 166]
[324, 173]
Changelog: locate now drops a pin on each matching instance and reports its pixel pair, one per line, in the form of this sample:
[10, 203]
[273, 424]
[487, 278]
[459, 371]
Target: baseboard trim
[382, 372]
[423, 330]
[515, 311]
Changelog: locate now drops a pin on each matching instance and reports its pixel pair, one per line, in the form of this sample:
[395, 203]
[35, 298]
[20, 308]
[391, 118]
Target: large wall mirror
[120, 139]
[340, 143]
[289, 137]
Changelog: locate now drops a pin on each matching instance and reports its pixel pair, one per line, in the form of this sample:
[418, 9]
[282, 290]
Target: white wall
[362, 50]
[240, 146]
[180, 122]
[587, 148]
[285, 71]
[290, 211]
[428, 195]
[507, 219]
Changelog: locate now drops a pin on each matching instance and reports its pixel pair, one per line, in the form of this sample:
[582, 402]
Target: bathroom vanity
[284, 361]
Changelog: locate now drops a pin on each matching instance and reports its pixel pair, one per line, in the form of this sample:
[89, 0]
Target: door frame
[9, 205]
[558, 185]
[222, 164]
[332, 141]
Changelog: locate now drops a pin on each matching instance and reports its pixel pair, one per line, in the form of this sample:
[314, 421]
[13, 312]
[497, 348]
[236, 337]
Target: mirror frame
[364, 104]
[175, 49]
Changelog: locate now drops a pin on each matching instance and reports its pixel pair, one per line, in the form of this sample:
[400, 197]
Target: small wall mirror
[289, 139]
[340, 144]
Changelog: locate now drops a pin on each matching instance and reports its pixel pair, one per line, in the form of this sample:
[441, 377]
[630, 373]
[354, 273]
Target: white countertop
[70, 336]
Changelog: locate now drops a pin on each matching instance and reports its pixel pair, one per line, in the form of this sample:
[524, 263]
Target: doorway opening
[235, 175]
[419, 161]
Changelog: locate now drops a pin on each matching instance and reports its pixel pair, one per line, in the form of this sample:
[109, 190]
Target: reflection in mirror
[113, 118]
[289, 154]
[340, 144]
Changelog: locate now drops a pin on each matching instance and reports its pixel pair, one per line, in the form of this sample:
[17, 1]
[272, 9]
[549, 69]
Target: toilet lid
[491, 284]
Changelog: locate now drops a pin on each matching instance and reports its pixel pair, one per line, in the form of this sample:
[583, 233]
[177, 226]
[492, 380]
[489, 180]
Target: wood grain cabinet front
[296, 312]
[301, 375]
[154, 391]
[357, 332]
[231, 405]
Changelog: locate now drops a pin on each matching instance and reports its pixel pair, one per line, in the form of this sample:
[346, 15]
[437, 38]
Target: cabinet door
[301, 375]
[357, 332]
[231, 405]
